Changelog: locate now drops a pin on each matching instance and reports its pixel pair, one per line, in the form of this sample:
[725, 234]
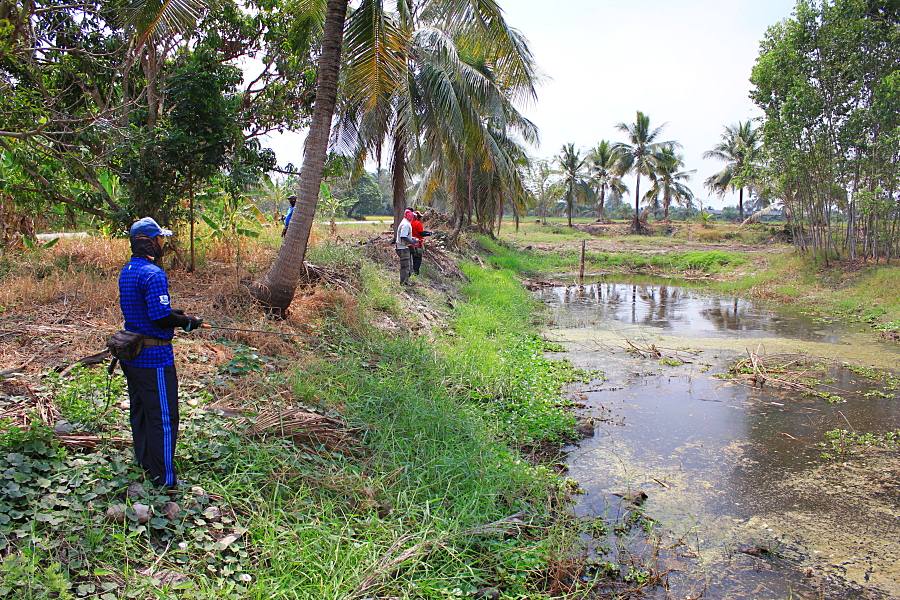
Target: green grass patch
[498, 360]
[532, 262]
[840, 442]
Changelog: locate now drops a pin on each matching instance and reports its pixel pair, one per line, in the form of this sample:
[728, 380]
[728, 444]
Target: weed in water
[671, 362]
[637, 576]
[840, 442]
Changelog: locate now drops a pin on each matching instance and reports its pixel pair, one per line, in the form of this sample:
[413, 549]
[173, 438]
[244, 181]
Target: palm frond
[376, 51]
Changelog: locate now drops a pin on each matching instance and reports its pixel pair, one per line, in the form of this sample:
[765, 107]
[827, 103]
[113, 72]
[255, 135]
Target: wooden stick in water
[581, 263]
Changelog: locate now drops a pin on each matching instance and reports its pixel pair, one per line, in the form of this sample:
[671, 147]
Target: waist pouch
[127, 345]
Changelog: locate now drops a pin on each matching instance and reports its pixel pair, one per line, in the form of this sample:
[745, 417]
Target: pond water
[740, 503]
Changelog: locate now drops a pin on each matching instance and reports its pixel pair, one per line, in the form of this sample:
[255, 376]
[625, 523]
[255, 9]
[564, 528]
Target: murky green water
[740, 504]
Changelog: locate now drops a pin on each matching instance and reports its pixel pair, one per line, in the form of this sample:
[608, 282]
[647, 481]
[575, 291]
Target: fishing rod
[112, 363]
[243, 330]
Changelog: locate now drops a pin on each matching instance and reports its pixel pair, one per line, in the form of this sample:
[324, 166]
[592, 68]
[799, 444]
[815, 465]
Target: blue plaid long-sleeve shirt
[144, 298]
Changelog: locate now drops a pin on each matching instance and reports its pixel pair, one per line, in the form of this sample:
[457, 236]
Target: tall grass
[439, 423]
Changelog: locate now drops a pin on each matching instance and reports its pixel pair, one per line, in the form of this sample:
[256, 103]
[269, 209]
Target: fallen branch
[93, 359]
[300, 425]
[16, 370]
[90, 441]
[330, 276]
[650, 351]
[779, 371]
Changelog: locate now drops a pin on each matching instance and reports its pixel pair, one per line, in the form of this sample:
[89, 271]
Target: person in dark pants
[419, 233]
[417, 251]
[403, 242]
[152, 380]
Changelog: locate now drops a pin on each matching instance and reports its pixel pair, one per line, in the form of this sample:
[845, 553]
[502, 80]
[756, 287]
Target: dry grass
[302, 426]
[324, 303]
[28, 292]
[60, 304]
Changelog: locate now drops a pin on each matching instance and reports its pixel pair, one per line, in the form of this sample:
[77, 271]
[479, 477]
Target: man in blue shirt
[152, 380]
[290, 213]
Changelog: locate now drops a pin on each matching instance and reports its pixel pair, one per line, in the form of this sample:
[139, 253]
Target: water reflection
[672, 309]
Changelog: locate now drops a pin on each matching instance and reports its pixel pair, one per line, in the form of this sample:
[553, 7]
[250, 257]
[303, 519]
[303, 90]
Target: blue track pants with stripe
[154, 420]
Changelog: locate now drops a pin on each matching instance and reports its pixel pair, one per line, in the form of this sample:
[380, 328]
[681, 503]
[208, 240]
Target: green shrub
[86, 397]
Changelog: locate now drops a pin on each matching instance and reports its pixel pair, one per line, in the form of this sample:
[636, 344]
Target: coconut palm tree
[605, 164]
[669, 180]
[739, 149]
[477, 178]
[428, 77]
[638, 154]
[276, 289]
[576, 178]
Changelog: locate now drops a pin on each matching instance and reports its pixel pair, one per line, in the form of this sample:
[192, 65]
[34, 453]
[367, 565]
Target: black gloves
[177, 318]
[193, 323]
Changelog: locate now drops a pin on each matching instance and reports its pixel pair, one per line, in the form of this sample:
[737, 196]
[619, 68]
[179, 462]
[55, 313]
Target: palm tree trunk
[151, 73]
[666, 201]
[637, 200]
[569, 202]
[601, 208]
[398, 178]
[276, 290]
[741, 203]
[470, 203]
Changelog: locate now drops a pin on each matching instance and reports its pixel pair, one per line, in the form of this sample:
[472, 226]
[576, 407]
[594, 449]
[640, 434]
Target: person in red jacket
[419, 233]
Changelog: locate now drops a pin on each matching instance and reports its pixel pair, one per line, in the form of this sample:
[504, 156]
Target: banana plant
[330, 207]
[231, 217]
[31, 244]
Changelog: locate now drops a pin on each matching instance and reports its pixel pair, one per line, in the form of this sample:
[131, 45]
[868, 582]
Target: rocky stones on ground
[141, 512]
[171, 510]
[136, 491]
[212, 514]
[116, 513]
[757, 551]
[585, 428]
[63, 427]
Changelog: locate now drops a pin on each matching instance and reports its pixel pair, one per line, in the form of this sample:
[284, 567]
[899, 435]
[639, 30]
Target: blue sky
[684, 62]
